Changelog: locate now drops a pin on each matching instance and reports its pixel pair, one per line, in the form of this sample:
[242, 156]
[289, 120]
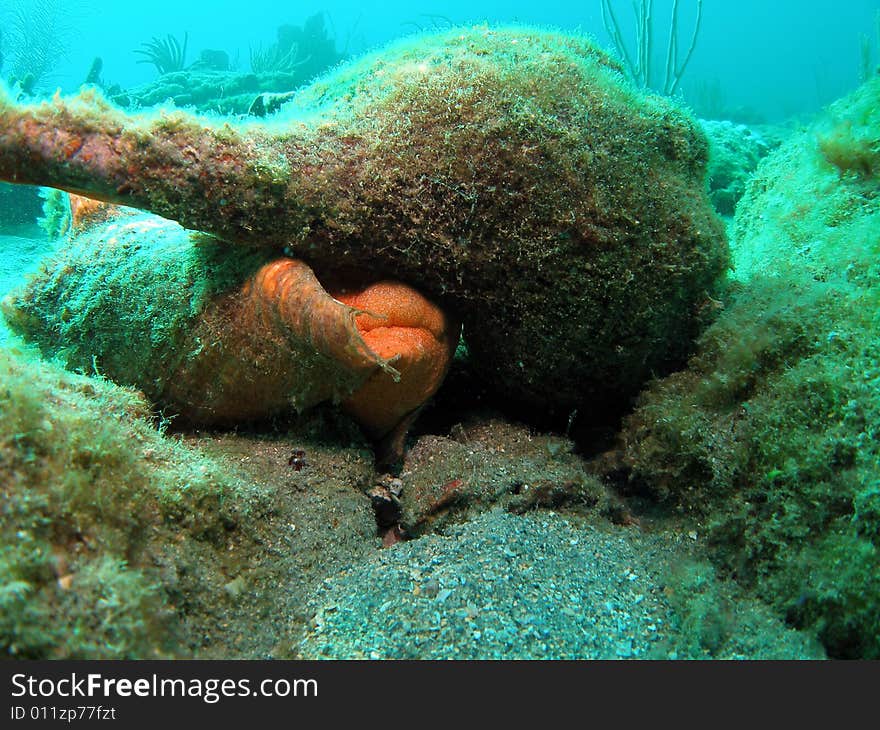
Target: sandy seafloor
[486, 583]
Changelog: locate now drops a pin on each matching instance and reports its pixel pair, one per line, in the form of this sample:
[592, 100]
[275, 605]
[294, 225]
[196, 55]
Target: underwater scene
[440, 331]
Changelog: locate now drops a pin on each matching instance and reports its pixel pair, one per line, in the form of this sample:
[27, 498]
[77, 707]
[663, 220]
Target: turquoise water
[18, 254]
[778, 59]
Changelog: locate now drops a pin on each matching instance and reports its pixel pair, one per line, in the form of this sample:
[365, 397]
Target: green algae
[771, 434]
[88, 485]
[117, 283]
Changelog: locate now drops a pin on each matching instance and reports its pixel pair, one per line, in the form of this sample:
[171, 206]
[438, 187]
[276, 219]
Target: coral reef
[212, 85]
[770, 434]
[512, 175]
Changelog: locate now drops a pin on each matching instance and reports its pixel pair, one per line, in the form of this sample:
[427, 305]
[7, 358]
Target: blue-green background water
[773, 59]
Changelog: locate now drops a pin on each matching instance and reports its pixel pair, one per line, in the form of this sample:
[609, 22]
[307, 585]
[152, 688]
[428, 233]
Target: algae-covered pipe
[172, 164]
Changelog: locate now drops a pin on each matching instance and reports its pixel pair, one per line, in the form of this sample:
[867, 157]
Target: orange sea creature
[383, 350]
[88, 211]
[276, 341]
[509, 175]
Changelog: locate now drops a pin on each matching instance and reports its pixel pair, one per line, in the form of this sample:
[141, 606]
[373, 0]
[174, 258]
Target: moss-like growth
[851, 152]
[771, 434]
[122, 299]
[88, 484]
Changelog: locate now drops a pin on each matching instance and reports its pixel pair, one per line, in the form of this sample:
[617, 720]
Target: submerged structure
[513, 177]
[770, 435]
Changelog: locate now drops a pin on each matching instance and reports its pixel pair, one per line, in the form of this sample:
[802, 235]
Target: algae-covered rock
[734, 153]
[444, 480]
[771, 433]
[119, 542]
[512, 175]
[223, 335]
[87, 481]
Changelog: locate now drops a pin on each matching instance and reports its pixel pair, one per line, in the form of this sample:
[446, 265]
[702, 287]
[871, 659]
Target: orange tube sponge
[221, 336]
[403, 327]
[282, 340]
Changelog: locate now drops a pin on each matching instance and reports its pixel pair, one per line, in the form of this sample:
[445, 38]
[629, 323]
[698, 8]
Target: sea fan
[38, 39]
